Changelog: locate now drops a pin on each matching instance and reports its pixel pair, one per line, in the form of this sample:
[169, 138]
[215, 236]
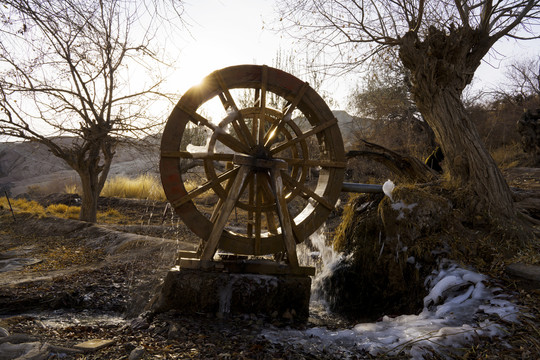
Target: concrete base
[203, 291]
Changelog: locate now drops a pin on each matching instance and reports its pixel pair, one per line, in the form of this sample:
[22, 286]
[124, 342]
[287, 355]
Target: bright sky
[234, 32]
[226, 33]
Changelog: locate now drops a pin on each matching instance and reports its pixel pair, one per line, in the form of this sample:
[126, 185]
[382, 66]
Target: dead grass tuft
[142, 187]
[57, 210]
[64, 211]
[23, 206]
[510, 155]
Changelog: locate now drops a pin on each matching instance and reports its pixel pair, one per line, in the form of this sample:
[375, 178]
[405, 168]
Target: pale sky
[225, 33]
[234, 32]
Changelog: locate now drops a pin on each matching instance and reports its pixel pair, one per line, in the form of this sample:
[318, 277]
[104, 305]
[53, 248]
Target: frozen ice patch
[401, 206]
[387, 188]
[452, 317]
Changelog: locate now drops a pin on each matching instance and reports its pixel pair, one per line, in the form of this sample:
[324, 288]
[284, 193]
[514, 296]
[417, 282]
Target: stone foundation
[204, 291]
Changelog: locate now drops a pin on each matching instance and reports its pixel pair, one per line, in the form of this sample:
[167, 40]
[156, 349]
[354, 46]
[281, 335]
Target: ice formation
[455, 311]
[387, 188]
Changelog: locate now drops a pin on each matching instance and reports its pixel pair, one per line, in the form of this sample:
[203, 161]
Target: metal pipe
[361, 188]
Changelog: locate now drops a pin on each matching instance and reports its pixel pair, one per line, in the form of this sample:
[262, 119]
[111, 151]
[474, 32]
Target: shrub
[111, 215]
[61, 210]
[23, 206]
[142, 187]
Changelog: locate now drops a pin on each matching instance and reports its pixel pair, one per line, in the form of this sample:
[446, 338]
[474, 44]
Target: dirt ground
[81, 281]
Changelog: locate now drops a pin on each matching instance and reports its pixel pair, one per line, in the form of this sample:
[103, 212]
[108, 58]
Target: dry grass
[509, 156]
[23, 206]
[110, 216]
[142, 187]
[63, 211]
[57, 210]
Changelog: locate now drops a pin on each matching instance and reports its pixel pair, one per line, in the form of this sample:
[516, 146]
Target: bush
[23, 206]
[142, 187]
[61, 210]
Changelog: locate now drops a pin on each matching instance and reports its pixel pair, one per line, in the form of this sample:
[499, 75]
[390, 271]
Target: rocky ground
[70, 282]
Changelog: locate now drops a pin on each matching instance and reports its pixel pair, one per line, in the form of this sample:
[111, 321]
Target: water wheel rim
[323, 126]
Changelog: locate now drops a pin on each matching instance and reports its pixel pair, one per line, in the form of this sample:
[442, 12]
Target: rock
[18, 339]
[524, 271]
[24, 351]
[139, 324]
[388, 247]
[93, 345]
[3, 332]
[128, 347]
[287, 315]
[136, 353]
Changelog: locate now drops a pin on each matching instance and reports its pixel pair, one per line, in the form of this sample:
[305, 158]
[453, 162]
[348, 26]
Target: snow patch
[387, 188]
[457, 302]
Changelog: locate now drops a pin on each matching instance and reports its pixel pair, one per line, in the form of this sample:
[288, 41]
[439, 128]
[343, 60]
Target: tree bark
[468, 162]
[442, 65]
[89, 196]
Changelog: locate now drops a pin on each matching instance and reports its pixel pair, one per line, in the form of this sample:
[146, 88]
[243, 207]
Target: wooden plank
[308, 191]
[202, 156]
[262, 115]
[236, 190]
[314, 163]
[284, 217]
[228, 101]
[291, 142]
[264, 267]
[270, 136]
[187, 254]
[203, 188]
[227, 139]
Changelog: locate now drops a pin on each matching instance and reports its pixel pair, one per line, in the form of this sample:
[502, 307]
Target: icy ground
[459, 307]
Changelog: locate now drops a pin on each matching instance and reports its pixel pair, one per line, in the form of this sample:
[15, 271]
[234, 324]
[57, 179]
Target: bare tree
[522, 84]
[441, 43]
[71, 80]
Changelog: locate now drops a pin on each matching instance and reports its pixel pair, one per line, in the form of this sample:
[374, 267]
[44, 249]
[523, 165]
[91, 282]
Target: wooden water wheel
[270, 168]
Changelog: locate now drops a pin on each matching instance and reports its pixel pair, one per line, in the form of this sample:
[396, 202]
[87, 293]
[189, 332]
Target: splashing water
[318, 253]
[459, 307]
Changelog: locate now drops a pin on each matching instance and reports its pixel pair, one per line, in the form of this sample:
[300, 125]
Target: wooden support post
[236, 189]
[284, 217]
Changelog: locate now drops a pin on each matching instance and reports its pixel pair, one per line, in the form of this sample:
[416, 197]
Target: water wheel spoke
[271, 136]
[229, 104]
[314, 162]
[267, 195]
[219, 225]
[284, 217]
[225, 138]
[317, 129]
[204, 187]
[258, 215]
[201, 155]
[307, 191]
[219, 204]
[262, 103]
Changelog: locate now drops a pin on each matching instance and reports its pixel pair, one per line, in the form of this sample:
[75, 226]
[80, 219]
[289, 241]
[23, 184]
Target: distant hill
[24, 164]
[351, 127]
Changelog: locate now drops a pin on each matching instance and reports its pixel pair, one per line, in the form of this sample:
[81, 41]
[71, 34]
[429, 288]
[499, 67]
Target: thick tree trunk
[93, 170]
[470, 165]
[89, 196]
[442, 65]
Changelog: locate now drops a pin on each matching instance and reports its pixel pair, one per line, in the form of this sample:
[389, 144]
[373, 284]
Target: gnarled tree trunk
[92, 161]
[441, 66]
[470, 165]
